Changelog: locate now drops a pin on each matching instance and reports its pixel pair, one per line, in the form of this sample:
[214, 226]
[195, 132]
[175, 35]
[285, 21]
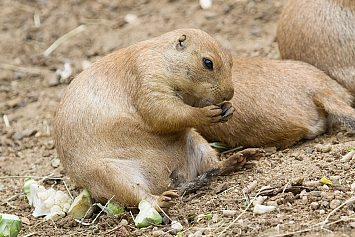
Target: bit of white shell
[130, 18]
[206, 4]
[176, 225]
[348, 156]
[261, 209]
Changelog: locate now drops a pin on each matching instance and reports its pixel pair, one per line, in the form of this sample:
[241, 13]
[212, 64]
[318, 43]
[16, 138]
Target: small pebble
[334, 203]
[327, 196]
[130, 18]
[215, 218]
[13, 103]
[250, 187]
[297, 181]
[352, 224]
[260, 200]
[229, 213]
[322, 212]
[176, 225]
[221, 187]
[323, 148]
[314, 205]
[315, 193]
[325, 187]
[85, 64]
[157, 233]
[270, 150]
[312, 184]
[325, 204]
[303, 193]
[29, 132]
[124, 222]
[53, 80]
[17, 136]
[198, 233]
[271, 203]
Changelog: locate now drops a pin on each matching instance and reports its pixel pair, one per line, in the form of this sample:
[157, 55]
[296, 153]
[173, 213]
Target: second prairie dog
[124, 127]
[278, 102]
[322, 33]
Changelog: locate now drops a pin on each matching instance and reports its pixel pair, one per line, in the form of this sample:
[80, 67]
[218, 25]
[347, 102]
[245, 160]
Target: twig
[63, 38]
[232, 150]
[241, 214]
[283, 191]
[163, 212]
[102, 209]
[13, 197]
[29, 176]
[352, 199]
[23, 69]
[66, 187]
[81, 222]
[322, 224]
[113, 229]
[30, 234]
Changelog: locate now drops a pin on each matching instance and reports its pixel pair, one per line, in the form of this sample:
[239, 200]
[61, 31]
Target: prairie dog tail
[337, 109]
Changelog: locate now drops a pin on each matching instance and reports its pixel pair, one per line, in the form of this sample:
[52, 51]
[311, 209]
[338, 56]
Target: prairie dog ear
[181, 44]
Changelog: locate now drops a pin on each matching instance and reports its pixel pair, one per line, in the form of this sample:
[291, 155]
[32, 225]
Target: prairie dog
[278, 102]
[322, 33]
[124, 127]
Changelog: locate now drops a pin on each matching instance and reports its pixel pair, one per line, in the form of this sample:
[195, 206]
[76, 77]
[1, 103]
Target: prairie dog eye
[208, 63]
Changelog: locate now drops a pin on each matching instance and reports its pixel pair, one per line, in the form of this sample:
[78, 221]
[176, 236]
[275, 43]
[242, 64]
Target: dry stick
[232, 150]
[241, 214]
[352, 199]
[64, 38]
[321, 224]
[66, 187]
[102, 209]
[29, 176]
[30, 234]
[23, 69]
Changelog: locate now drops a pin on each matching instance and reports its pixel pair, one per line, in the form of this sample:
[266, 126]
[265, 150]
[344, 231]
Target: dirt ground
[30, 91]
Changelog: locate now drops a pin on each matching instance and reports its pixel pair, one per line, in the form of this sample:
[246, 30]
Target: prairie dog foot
[236, 161]
[166, 200]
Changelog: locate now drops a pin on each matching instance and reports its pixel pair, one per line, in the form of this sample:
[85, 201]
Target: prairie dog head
[194, 66]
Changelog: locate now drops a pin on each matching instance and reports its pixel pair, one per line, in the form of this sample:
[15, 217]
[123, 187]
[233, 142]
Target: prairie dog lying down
[278, 102]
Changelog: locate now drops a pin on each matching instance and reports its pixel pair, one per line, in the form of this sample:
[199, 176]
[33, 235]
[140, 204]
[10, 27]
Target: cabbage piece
[10, 225]
[81, 205]
[147, 215]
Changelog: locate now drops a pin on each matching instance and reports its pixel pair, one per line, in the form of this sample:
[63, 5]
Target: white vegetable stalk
[47, 202]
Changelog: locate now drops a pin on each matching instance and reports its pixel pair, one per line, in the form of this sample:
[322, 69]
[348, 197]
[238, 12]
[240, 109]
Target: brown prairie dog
[124, 126]
[278, 102]
[322, 33]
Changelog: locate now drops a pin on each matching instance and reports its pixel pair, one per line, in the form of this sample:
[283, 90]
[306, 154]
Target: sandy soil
[30, 91]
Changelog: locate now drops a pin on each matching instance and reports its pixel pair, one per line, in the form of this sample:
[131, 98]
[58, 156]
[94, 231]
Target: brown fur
[322, 33]
[278, 102]
[124, 126]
